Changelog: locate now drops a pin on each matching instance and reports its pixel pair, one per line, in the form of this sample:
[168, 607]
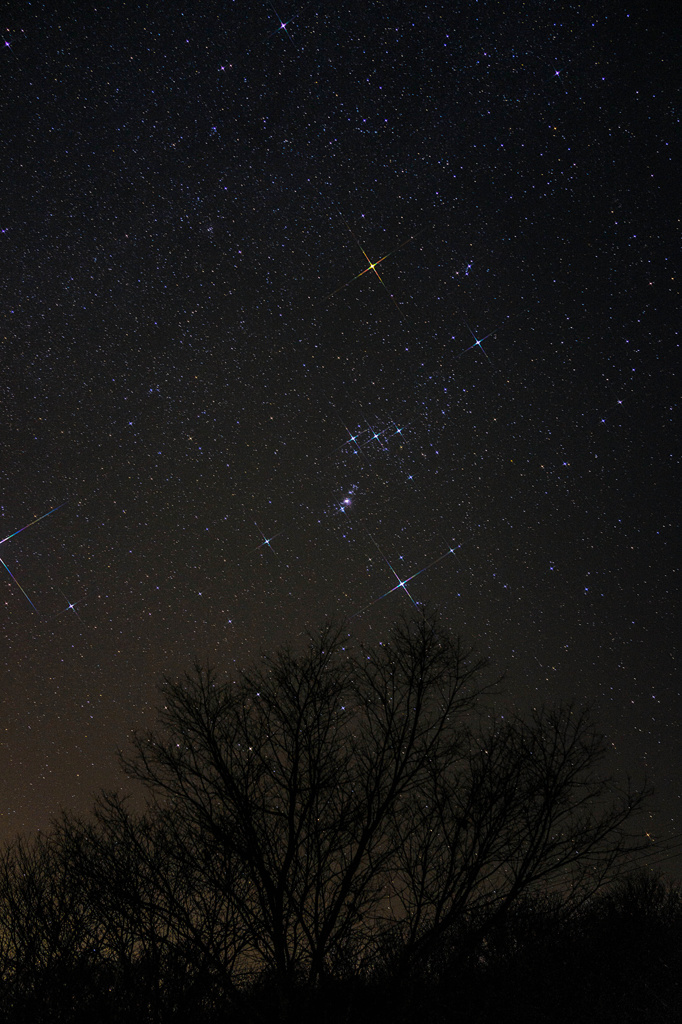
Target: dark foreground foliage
[617, 960]
[342, 836]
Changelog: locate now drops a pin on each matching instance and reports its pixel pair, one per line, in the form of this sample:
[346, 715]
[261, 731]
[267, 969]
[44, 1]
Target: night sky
[241, 422]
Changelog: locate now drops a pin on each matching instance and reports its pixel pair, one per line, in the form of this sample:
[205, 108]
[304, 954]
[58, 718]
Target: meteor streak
[32, 523]
[20, 586]
[20, 530]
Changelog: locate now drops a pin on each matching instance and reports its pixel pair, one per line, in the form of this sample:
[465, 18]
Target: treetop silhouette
[342, 802]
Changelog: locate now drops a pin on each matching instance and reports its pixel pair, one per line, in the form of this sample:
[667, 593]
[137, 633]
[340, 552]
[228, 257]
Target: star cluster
[331, 312]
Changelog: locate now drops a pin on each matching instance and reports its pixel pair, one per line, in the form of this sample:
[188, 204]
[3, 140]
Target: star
[283, 26]
[372, 266]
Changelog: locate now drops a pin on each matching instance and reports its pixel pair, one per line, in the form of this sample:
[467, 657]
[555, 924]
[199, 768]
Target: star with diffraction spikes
[388, 432]
[478, 343]
[352, 437]
[402, 584]
[352, 440]
[372, 265]
[267, 541]
[70, 607]
[364, 435]
[283, 26]
[9, 45]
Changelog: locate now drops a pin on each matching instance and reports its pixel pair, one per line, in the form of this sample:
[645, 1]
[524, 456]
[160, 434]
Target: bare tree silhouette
[338, 801]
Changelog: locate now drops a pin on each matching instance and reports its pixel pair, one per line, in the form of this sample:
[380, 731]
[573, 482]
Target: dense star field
[331, 311]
